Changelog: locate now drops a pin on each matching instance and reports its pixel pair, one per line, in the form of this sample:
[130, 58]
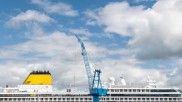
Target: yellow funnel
[38, 78]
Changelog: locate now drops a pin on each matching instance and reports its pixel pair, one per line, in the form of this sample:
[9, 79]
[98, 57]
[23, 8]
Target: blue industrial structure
[94, 82]
[97, 89]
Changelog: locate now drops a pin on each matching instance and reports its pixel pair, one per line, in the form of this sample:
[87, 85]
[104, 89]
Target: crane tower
[94, 81]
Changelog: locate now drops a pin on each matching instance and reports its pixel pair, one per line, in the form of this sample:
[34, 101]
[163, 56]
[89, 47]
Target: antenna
[74, 81]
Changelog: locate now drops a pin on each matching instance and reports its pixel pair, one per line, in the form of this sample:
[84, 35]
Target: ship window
[163, 90]
[121, 90]
[143, 98]
[112, 90]
[138, 90]
[116, 98]
[147, 90]
[143, 90]
[125, 90]
[134, 90]
[129, 90]
[101, 98]
[116, 90]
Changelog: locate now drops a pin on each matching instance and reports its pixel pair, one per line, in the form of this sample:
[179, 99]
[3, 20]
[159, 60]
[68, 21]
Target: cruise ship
[37, 87]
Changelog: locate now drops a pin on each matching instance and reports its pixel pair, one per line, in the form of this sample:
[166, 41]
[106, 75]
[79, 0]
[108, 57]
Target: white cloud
[80, 31]
[28, 17]
[128, 69]
[57, 52]
[12, 75]
[93, 17]
[56, 49]
[143, 0]
[174, 76]
[58, 8]
[155, 32]
[61, 54]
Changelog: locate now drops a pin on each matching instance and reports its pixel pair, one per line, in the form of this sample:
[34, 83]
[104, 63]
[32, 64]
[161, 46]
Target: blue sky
[139, 37]
[9, 9]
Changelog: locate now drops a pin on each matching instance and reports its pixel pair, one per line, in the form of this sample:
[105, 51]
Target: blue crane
[94, 81]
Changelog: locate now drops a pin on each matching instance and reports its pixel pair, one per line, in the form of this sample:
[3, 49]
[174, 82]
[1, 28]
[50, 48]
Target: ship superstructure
[37, 87]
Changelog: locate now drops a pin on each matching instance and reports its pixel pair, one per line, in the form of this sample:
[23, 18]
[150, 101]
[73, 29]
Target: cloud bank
[156, 32]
